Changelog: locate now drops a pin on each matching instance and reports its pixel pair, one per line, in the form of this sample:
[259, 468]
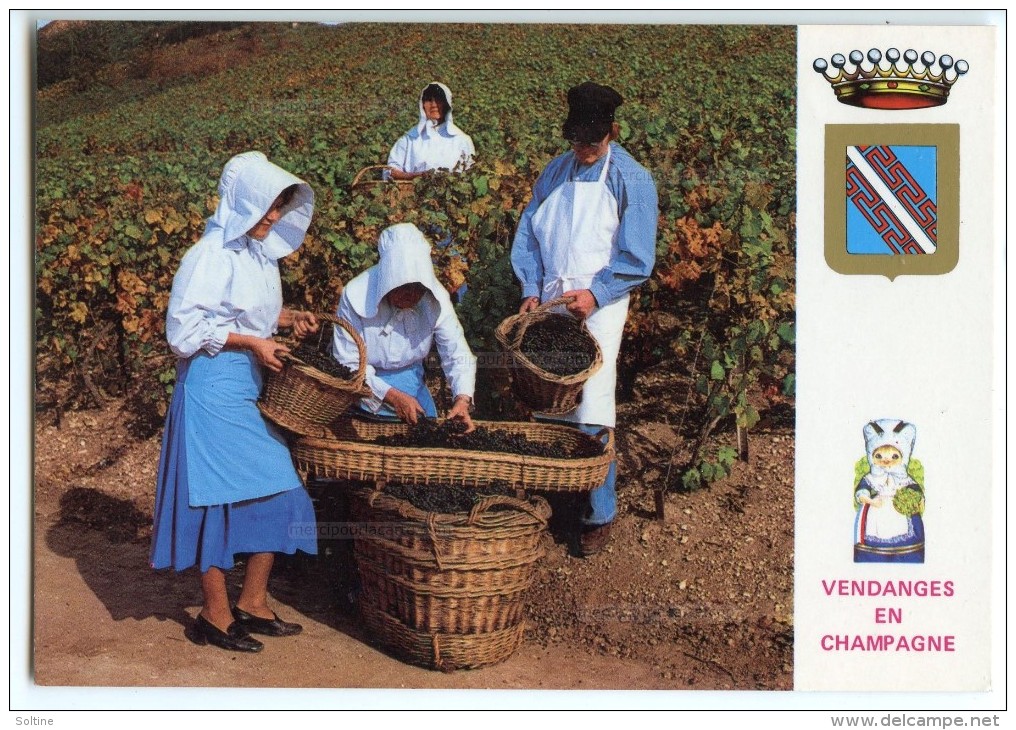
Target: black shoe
[269, 627]
[235, 638]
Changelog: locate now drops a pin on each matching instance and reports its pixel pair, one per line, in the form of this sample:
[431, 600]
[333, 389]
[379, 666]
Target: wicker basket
[433, 581]
[446, 652]
[366, 180]
[342, 452]
[537, 388]
[303, 399]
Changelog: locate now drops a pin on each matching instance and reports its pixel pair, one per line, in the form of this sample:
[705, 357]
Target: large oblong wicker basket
[539, 389]
[345, 450]
[446, 591]
[303, 399]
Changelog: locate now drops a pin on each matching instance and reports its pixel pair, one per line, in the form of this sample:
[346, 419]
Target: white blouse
[397, 338]
[220, 289]
[432, 149]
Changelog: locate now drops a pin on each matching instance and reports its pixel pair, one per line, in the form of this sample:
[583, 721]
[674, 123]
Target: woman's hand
[407, 408]
[583, 302]
[264, 349]
[303, 323]
[403, 175]
[266, 353]
[460, 410]
[529, 304]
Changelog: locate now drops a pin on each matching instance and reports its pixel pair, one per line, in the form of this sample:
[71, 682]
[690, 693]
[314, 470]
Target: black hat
[590, 112]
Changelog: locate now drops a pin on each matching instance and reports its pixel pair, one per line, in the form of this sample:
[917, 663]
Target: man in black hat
[589, 234]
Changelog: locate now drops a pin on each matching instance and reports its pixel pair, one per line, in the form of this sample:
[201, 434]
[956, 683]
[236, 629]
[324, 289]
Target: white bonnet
[890, 432]
[247, 188]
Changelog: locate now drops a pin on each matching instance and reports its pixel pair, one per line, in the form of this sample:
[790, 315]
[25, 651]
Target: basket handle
[609, 446]
[487, 502]
[553, 303]
[365, 170]
[361, 347]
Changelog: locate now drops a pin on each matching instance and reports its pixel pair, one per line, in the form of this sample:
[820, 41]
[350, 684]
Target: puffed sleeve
[457, 359]
[196, 318]
[399, 155]
[345, 351]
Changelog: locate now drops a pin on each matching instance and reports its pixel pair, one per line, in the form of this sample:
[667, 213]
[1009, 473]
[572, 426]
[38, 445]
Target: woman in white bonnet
[882, 533]
[434, 142]
[226, 482]
[401, 310]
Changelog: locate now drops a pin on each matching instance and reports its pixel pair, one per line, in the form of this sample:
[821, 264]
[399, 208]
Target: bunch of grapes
[449, 434]
[444, 498]
[907, 501]
[559, 345]
[318, 360]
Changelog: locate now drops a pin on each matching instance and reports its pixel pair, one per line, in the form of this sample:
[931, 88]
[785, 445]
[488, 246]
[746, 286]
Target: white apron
[885, 522]
[576, 227]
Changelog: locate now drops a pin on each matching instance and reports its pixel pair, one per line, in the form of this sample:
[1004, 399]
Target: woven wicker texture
[537, 388]
[439, 580]
[341, 451]
[446, 652]
[302, 399]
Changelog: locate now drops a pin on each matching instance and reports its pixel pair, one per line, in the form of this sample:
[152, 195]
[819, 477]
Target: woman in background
[434, 142]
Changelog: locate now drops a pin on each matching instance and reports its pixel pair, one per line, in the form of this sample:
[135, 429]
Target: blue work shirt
[635, 192]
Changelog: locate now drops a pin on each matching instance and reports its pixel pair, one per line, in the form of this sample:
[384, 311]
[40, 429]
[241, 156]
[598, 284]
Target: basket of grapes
[444, 570]
[536, 456]
[550, 357]
[313, 389]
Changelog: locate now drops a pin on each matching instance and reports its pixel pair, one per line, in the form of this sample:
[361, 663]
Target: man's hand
[407, 408]
[529, 304]
[584, 302]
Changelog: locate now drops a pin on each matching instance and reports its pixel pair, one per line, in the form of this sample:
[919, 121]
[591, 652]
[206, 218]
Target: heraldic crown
[895, 85]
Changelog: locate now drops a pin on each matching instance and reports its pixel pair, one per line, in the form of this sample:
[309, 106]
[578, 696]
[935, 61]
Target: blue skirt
[226, 481]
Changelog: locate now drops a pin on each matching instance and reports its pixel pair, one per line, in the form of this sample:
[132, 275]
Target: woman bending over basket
[226, 481]
[401, 310]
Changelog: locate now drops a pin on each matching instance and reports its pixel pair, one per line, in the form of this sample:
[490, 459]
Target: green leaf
[786, 332]
[691, 479]
[747, 417]
[717, 371]
[726, 455]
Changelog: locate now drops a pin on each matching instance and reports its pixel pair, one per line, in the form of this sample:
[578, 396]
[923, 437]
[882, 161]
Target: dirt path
[700, 601]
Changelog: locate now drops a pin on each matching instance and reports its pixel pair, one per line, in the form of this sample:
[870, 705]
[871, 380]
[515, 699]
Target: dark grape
[559, 345]
[430, 433]
[445, 498]
[323, 362]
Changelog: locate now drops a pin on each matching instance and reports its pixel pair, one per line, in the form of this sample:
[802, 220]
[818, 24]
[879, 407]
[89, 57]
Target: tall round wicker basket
[445, 591]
